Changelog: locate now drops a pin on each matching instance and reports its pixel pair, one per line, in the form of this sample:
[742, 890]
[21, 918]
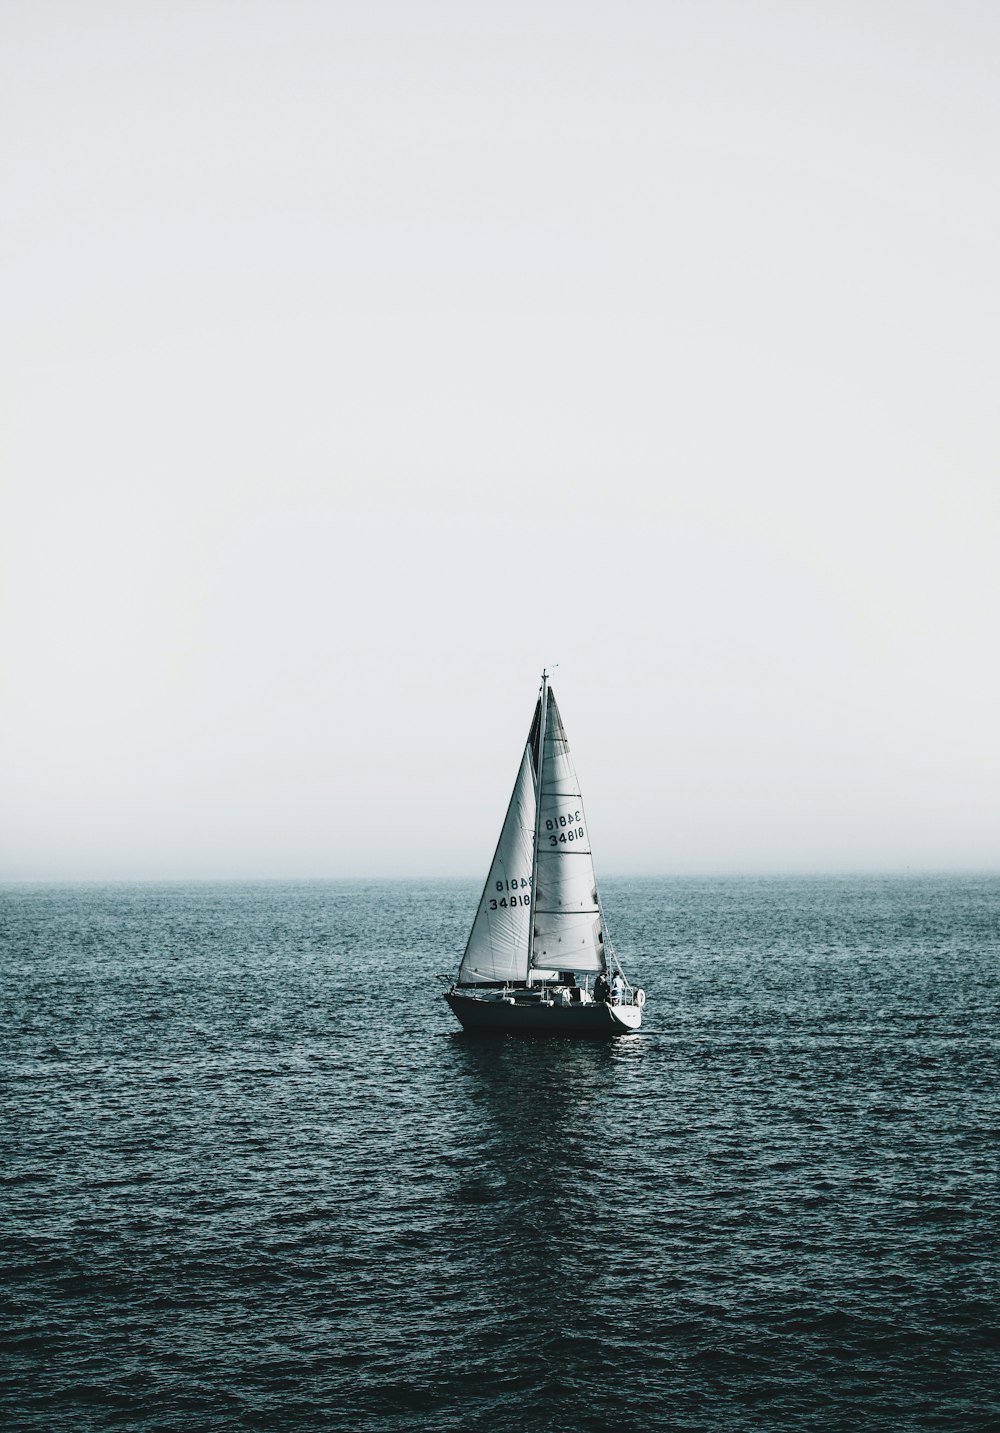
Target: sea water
[253, 1176]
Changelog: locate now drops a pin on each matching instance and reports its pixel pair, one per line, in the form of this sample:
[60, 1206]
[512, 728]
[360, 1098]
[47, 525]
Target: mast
[542, 714]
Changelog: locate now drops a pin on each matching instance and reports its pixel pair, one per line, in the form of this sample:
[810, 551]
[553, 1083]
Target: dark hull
[540, 1017]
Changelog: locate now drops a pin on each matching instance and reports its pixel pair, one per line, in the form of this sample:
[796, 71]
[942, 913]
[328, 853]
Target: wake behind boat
[539, 937]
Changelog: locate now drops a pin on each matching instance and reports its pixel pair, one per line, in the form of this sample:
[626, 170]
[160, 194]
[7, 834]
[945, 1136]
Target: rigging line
[609, 943]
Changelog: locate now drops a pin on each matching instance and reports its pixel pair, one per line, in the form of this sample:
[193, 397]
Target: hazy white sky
[356, 360]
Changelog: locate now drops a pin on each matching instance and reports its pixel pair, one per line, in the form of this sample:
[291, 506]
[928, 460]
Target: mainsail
[497, 949]
[568, 934]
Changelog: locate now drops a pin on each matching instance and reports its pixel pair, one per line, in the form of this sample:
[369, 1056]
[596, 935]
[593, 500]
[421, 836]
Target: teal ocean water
[253, 1176]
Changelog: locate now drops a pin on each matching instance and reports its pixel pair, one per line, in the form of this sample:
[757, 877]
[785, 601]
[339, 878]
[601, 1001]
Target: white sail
[568, 933]
[497, 949]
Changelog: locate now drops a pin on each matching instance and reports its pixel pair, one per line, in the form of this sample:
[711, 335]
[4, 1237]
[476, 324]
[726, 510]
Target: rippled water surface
[254, 1177]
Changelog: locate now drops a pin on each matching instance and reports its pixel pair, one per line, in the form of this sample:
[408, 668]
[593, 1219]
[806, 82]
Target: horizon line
[736, 874]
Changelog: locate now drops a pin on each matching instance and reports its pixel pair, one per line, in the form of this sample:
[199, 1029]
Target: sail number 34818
[562, 829]
[512, 900]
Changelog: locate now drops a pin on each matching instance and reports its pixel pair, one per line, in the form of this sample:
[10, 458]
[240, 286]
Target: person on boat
[601, 987]
[617, 988]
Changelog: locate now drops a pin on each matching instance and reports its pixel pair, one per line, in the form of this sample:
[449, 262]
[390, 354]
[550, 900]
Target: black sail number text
[511, 894]
[561, 830]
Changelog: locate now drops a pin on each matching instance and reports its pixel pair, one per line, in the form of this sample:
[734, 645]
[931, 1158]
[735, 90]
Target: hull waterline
[541, 1017]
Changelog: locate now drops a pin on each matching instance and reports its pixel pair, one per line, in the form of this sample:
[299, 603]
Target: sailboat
[539, 936]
